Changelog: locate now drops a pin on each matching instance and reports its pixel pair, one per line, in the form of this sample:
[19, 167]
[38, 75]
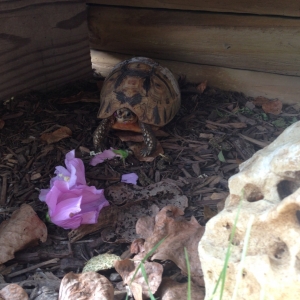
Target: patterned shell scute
[143, 86]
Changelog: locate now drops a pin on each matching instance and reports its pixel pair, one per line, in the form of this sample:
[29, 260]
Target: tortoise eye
[157, 85]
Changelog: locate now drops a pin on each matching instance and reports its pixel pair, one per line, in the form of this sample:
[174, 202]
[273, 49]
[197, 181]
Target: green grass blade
[188, 267]
[222, 276]
[144, 273]
[241, 265]
[146, 257]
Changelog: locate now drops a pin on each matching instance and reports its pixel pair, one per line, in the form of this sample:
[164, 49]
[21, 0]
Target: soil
[213, 133]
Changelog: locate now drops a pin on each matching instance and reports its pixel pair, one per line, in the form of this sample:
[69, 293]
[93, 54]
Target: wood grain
[9, 5]
[258, 43]
[43, 44]
[265, 7]
[253, 84]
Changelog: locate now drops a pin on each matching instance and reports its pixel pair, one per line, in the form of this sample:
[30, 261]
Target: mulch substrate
[211, 135]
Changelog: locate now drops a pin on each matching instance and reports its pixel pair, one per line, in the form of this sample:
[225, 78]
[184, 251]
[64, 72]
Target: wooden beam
[43, 44]
[17, 4]
[258, 43]
[253, 84]
[265, 7]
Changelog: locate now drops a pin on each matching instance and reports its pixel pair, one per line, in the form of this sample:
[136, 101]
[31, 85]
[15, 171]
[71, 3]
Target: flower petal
[43, 194]
[76, 167]
[70, 201]
[130, 178]
[101, 157]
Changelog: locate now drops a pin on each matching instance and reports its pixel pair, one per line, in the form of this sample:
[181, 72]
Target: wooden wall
[251, 46]
[43, 44]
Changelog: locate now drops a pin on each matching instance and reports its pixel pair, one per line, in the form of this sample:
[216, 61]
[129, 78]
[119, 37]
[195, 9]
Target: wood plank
[42, 45]
[9, 5]
[253, 84]
[259, 43]
[265, 7]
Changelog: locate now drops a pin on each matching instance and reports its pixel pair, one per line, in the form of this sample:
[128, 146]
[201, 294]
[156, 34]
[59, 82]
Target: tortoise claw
[145, 152]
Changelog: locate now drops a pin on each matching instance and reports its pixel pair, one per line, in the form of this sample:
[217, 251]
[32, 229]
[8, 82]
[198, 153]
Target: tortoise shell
[143, 86]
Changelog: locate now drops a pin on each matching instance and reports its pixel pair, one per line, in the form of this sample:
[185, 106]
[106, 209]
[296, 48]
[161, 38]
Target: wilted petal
[101, 157]
[62, 174]
[43, 194]
[73, 174]
[130, 178]
[70, 201]
[76, 167]
[69, 208]
[69, 223]
[66, 213]
[90, 217]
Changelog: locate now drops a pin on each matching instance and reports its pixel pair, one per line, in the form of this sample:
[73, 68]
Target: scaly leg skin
[149, 139]
[101, 132]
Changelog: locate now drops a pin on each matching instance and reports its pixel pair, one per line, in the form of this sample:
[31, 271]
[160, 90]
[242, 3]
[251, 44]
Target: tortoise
[138, 95]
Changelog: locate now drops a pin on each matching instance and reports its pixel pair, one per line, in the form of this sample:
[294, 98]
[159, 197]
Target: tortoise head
[125, 115]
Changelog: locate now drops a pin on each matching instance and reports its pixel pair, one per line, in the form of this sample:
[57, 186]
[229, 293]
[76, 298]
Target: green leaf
[221, 157]
[264, 117]
[280, 122]
[48, 219]
[122, 153]
[292, 120]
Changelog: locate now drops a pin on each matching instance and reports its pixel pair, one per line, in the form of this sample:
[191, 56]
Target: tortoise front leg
[101, 132]
[149, 139]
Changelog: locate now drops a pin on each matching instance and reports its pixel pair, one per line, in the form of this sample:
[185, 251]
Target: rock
[268, 185]
[114, 277]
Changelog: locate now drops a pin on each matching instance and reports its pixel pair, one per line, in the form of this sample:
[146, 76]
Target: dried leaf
[138, 203]
[228, 125]
[127, 268]
[269, 106]
[56, 135]
[35, 176]
[13, 292]
[202, 86]
[85, 286]
[24, 228]
[219, 196]
[206, 135]
[170, 290]
[137, 246]
[259, 101]
[208, 212]
[273, 107]
[179, 233]
[145, 226]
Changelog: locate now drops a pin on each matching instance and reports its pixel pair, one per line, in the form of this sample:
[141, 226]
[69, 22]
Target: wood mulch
[211, 135]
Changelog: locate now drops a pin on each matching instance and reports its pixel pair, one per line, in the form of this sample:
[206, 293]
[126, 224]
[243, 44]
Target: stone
[267, 192]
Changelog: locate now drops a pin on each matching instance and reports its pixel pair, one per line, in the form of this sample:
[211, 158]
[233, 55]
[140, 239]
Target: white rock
[268, 183]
